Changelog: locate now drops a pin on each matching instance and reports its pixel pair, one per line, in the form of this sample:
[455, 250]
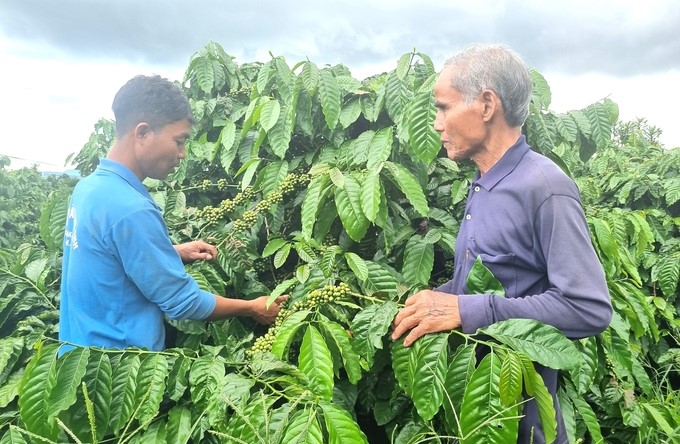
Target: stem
[371, 298]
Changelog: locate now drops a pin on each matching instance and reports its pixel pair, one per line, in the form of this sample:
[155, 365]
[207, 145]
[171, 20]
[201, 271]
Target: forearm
[575, 315]
[228, 307]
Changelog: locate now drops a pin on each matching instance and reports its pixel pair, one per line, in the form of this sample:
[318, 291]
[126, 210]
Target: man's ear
[142, 130]
[491, 104]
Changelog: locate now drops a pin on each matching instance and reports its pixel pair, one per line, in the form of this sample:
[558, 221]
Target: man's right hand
[427, 311]
[262, 314]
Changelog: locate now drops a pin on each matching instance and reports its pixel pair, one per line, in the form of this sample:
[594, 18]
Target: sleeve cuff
[474, 312]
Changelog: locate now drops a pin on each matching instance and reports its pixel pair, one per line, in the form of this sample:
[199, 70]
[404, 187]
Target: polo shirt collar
[127, 175]
[504, 166]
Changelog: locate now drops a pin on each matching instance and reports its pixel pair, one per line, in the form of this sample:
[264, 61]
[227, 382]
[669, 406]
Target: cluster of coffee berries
[329, 240]
[204, 185]
[210, 215]
[293, 180]
[222, 184]
[313, 300]
[324, 295]
[248, 218]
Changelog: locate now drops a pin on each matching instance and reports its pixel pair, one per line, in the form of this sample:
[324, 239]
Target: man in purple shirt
[523, 218]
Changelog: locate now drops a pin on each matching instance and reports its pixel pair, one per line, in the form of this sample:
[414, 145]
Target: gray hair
[490, 66]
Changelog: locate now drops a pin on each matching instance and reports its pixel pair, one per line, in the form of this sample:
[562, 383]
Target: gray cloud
[560, 36]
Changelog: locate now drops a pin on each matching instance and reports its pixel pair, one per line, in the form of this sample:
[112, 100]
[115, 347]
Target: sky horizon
[64, 61]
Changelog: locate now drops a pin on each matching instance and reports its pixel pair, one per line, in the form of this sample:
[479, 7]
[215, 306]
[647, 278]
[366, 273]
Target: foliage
[333, 190]
[23, 193]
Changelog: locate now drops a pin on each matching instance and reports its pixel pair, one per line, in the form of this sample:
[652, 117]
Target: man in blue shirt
[523, 218]
[121, 274]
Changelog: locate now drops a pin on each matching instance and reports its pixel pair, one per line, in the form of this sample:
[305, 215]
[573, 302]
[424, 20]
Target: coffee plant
[334, 191]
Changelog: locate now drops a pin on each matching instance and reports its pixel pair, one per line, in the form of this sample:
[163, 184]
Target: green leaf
[179, 425]
[601, 127]
[270, 114]
[370, 196]
[350, 359]
[272, 176]
[205, 380]
[511, 380]
[10, 348]
[395, 96]
[584, 376]
[659, 418]
[303, 428]
[313, 200]
[483, 417]
[403, 65]
[458, 375]
[534, 386]
[379, 280]
[36, 385]
[287, 331]
[418, 261]
[53, 220]
[369, 326]
[348, 203]
[421, 371]
[273, 246]
[540, 342]
[280, 134]
[358, 265]
[178, 378]
[279, 290]
[423, 139]
[336, 177]
[205, 74]
[329, 96]
[667, 271]
[13, 436]
[480, 280]
[342, 429]
[123, 386]
[350, 112]
[589, 418]
[310, 77]
[315, 361]
[302, 273]
[379, 148]
[348, 83]
[408, 184]
[70, 371]
[281, 255]
[540, 93]
[150, 387]
[9, 389]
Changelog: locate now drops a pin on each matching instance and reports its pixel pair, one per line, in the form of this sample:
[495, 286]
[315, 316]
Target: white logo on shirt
[70, 238]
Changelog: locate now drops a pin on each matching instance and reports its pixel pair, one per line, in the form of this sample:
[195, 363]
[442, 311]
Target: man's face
[163, 149]
[461, 126]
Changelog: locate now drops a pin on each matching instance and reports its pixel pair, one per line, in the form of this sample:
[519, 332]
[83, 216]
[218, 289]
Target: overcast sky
[61, 62]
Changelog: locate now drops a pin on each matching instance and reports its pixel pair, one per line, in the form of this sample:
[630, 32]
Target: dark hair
[487, 66]
[151, 99]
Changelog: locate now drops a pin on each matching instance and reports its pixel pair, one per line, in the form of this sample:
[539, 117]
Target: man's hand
[262, 314]
[425, 312]
[196, 250]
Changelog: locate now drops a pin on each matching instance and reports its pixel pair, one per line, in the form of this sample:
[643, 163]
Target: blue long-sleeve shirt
[121, 273]
[525, 220]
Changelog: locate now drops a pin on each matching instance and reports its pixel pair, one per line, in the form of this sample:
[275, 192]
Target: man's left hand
[196, 250]
[426, 312]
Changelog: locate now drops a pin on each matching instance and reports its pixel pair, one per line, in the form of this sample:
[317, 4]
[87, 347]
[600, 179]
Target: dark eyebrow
[439, 105]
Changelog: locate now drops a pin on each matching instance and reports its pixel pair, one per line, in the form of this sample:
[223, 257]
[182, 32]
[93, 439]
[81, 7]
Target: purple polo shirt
[525, 220]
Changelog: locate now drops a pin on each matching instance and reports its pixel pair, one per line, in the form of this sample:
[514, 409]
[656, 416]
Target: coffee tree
[333, 190]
